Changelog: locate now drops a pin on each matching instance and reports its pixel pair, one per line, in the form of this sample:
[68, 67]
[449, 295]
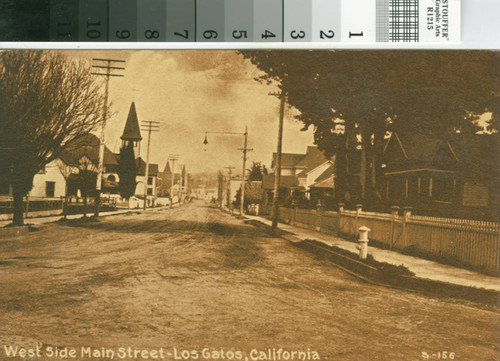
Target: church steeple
[131, 132]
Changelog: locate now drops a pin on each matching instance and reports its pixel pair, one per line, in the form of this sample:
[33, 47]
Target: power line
[108, 74]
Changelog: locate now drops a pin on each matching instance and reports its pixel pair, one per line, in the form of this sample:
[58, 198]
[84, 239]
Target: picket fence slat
[471, 242]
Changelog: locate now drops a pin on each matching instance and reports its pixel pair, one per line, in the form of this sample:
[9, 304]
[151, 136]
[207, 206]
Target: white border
[480, 30]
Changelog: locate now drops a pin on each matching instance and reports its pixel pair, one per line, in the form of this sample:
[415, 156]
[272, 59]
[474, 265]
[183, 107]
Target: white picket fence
[472, 243]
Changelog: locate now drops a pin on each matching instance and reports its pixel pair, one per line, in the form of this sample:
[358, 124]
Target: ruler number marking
[294, 34]
[61, 32]
[268, 34]
[124, 34]
[92, 33]
[238, 34]
[65, 13]
[328, 35]
[210, 34]
[351, 34]
[185, 35]
[151, 34]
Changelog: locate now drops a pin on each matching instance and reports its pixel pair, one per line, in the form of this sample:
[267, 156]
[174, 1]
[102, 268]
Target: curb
[372, 275]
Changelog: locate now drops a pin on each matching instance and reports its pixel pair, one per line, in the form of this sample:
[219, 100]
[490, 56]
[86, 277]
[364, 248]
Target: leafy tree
[46, 101]
[254, 194]
[353, 98]
[257, 171]
[127, 171]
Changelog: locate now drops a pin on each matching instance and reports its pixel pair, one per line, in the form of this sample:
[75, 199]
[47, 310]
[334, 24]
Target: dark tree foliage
[353, 98]
[127, 171]
[257, 171]
[46, 102]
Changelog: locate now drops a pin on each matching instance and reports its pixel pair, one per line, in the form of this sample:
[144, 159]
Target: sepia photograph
[252, 205]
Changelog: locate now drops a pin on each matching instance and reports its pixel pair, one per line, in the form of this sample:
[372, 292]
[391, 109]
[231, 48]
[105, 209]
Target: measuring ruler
[262, 21]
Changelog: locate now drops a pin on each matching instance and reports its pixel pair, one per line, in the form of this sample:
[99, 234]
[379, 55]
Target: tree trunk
[18, 207]
[65, 205]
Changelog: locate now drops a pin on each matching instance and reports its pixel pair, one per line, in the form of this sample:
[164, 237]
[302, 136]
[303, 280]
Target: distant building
[152, 180]
[132, 132]
[180, 186]
[298, 173]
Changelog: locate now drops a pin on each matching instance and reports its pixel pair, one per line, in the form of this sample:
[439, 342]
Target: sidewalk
[50, 219]
[422, 268]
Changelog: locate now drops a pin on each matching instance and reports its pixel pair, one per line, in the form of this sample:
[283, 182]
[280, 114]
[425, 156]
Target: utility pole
[277, 168]
[245, 151]
[101, 65]
[149, 126]
[229, 168]
[172, 158]
[181, 182]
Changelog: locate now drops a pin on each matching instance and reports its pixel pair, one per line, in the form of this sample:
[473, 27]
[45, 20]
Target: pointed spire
[131, 132]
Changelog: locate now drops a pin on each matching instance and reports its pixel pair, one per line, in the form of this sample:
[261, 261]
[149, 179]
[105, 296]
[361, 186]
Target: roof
[328, 173]
[325, 183]
[416, 146]
[87, 145]
[286, 181]
[141, 166]
[313, 158]
[288, 160]
[131, 130]
[326, 179]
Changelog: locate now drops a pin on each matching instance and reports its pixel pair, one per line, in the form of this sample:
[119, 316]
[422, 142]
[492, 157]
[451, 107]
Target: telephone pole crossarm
[108, 74]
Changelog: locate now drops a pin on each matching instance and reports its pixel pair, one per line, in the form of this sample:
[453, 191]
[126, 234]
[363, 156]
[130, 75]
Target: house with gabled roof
[165, 181]
[152, 180]
[453, 177]
[323, 186]
[298, 173]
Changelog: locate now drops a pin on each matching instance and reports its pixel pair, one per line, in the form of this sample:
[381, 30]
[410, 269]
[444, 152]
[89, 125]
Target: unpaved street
[194, 277]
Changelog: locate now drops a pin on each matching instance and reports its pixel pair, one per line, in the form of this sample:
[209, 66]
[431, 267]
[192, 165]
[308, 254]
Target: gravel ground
[191, 278]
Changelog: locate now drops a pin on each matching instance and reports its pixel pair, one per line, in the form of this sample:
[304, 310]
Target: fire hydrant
[363, 242]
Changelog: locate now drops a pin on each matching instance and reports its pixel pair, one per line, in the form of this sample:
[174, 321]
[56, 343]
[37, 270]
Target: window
[150, 181]
[111, 178]
[150, 191]
[50, 188]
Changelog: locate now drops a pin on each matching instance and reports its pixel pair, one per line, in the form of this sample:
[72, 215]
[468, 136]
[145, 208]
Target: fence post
[394, 213]
[341, 210]
[319, 214]
[406, 216]
[359, 209]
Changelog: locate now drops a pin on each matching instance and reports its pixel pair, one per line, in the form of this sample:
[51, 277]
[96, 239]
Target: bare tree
[46, 101]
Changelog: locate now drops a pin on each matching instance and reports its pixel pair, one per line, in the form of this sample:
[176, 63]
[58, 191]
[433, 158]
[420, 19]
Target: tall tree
[257, 171]
[127, 171]
[352, 98]
[46, 101]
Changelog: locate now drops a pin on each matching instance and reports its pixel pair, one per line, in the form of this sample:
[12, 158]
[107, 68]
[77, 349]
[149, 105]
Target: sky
[191, 92]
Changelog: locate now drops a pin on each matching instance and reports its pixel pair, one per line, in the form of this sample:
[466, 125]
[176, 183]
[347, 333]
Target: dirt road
[192, 278]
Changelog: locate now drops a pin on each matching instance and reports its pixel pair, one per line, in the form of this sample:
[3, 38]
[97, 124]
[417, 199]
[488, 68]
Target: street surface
[193, 277]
